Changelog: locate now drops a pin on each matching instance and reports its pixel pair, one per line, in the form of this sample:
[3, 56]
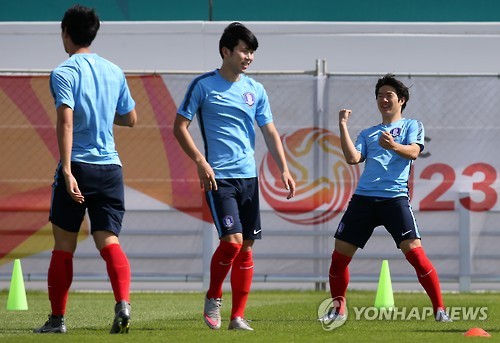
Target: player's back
[93, 87]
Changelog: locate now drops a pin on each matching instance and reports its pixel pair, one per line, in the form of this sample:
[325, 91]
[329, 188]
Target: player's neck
[389, 119]
[80, 50]
[228, 74]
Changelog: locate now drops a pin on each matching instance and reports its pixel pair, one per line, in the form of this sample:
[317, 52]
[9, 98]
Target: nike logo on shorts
[255, 232]
[405, 233]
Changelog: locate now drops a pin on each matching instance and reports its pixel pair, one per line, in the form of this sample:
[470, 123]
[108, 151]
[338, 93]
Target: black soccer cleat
[55, 324]
[121, 323]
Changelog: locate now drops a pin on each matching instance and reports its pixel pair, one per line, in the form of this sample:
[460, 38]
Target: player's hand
[207, 177]
[344, 115]
[289, 184]
[386, 141]
[73, 190]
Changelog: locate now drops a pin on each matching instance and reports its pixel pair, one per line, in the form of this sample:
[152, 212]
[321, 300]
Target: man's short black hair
[235, 32]
[81, 24]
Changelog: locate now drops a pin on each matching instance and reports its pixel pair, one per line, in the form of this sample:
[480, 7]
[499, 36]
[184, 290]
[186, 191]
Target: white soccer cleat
[442, 316]
[331, 315]
[239, 323]
[211, 313]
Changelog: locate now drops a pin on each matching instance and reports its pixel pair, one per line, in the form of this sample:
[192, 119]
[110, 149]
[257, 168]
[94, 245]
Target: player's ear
[225, 51]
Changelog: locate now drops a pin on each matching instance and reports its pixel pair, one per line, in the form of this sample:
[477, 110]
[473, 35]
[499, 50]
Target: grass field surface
[276, 316]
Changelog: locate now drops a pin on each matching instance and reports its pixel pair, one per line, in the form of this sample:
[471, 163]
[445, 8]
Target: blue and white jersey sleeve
[360, 145]
[263, 115]
[62, 83]
[125, 102]
[416, 133]
[194, 97]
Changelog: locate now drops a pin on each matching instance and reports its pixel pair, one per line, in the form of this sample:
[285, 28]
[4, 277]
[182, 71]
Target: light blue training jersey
[227, 112]
[95, 89]
[386, 173]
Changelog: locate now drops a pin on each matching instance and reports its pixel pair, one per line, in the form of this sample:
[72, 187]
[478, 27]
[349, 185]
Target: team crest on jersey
[395, 132]
[228, 221]
[249, 98]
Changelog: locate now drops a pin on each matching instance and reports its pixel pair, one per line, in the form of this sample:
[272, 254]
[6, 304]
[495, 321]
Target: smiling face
[239, 59]
[389, 105]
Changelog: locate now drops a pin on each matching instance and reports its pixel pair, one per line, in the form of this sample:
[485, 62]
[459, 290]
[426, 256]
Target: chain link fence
[167, 232]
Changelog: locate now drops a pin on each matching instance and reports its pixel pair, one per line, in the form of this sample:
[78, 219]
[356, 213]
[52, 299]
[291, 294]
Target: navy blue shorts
[364, 214]
[235, 207]
[103, 190]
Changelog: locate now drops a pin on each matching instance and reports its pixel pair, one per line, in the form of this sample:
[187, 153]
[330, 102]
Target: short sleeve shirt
[227, 113]
[386, 173]
[95, 89]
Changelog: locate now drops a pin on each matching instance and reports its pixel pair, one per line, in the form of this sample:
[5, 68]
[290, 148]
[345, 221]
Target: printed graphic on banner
[325, 182]
[158, 175]
[29, 158]
[153, 162]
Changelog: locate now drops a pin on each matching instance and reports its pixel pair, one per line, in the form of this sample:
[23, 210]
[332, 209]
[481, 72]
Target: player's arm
[183, 136]
[351, 154]
[64, 129]
[128, 119]
[275, 147]
[409, 151]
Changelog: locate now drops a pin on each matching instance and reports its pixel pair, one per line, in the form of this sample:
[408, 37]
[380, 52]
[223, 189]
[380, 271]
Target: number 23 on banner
[432, 202]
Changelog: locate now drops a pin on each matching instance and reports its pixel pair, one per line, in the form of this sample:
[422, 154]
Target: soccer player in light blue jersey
[91, 94]
[382, 195]
[227, 103]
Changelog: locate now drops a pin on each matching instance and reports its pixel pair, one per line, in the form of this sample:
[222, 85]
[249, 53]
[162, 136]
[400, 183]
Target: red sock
[59, 280]
[241, 281]
[339, 279]
[427, 275]
[222, 260]
[118, 269]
